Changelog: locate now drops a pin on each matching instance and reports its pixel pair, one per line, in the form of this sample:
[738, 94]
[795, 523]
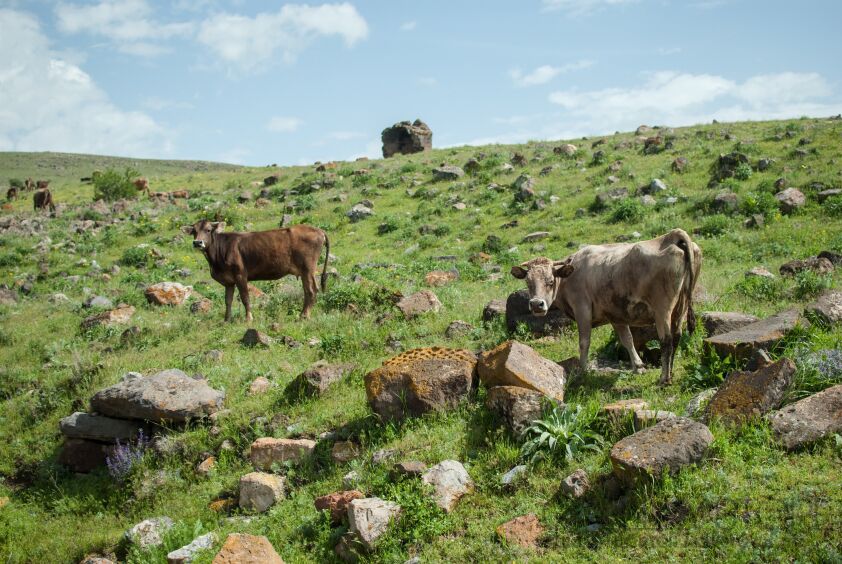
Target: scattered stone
[369, 518]
[618, 410]
[447, 172]
[319, 377]
[206, 466]
[58, 298]
[351, 480]
[344, 451]
[450, 482]
[438, 278]
[241, 548]
[830, 193]
[509, 477]
[515, 364]
[763, 334]
[647, 417]
[669, 445]
[259, 491]
[268, 451]
[680, 164]
[820, 266]
[409, 469]
[699, 402]
[648, 200]
[254, 338]
[420, 380]
[656, 186]
[516, 407]
[727, 165]
[98, 428]
[828, 307]
[337, 503]
[406, 138]
[607, 197]
[535, 236]
[718, 322]
[418, 303]
[359, 212]
[167, 293]
[97, 302]
[810, 419]
[149, 533]
[523, 531]
[214, 355]
[576, 484]
[495, 309]
[759, 271]
[724, 202]
[834, 258]
[121, 314]
[790, 199]
[748, 395]
[517, 312]
[567, 149]
[185, 554]
[259, 385]
[168, 396]
[201, 306]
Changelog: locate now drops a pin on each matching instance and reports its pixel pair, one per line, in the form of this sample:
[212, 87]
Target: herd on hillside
[625, 284]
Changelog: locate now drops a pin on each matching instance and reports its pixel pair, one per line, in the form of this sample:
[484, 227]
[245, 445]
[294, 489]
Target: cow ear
[518, 272]
[563, 271]
[219, 226]
[187, 229]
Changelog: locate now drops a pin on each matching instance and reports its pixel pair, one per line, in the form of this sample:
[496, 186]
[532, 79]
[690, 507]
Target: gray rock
[168, 396]
[149, 533]
[667, 446]
[657, 185]
[359, 212]
[406, 138]
[457, 329]
[448, 172]
[351, 480]
[185, 554]
[254, 338]
[718, 322]
[419, 303]
[810, 419]
[576, 484]
[517, 312]
[827, 362]
[516, 407]
[383, 455]
[724, 202]
[818, 265]
[266, 452]
[647, 417]
[319, 377]
[259, 491]
[369, 518]
[763, 334]
[831, 193]
[790, 199]
[698, 402]
[648, 200]
[97, 302]
[58, 298]
[759, 271]
[748, 395]
[98, 428]
[515, 364]
[509, 477]
[828, 307]
[606, 197]
[535, 236]
[495, 309]
[450, 482]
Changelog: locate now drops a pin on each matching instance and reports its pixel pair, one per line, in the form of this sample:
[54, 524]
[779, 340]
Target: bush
[833, 206]
[743, 171]
[760, 288]
[809, 284]
[562, 433]
[112, 185]
[16, 183]
[629, 210]
[709, 372]
[137, 256]
[762, 203]
[714, 225]
[305, 203]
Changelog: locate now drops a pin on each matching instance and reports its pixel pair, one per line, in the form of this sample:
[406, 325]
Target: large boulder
[515, 364]
[447, 172]
[809, 419]
[749, 395]
[790, 200]
[98, 428]
[828, 307]
[369, 518]
[667, 446]
[418, 303]
[718, 322]
[819, 265]
[121, 314]
[319, 377]
[450, 482]
[240, 548]
[167, 293]
[763, 334]
[268, 451]
[420, 380]
[169, 396]
[337, 503]
[405, 138]
[259, 491]
[726, 165]
[516, 406]
[517, 312]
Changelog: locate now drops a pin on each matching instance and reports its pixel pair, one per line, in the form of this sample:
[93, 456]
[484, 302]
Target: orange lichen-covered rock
[749, 395]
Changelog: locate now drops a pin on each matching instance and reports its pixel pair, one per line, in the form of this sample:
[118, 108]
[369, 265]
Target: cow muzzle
[197, 244]
[538, 307]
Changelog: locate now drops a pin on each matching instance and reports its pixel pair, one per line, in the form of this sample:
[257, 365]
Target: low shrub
[760, 288]
[112, 185]
[743, 171]
[809, 284]
[715, 225]
[562, 433]
[629, 210]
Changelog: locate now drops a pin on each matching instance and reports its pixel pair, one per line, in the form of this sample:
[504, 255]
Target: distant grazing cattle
[42, 184]
[28, 184]
[142, 185]
[237, 258]
[624, 284]
[180, 194]
[12, 194]
[43, 199]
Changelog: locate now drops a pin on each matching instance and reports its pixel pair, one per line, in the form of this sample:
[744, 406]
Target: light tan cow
[624, 284]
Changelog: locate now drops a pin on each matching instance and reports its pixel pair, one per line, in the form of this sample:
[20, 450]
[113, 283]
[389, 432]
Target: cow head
[542, 280]
[203, 232]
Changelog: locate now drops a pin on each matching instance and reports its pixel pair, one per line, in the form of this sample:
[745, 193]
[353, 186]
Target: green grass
[750, 501]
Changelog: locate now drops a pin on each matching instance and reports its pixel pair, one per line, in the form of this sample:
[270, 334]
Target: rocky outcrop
[405, 138]
[809, 420]
[515, 364]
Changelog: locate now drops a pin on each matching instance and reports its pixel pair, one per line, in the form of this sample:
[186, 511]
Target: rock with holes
[337, 504]
[185, 554]
[518, 313]
[167, 293]
[418, 303]
[241, 548]
[828, 307]
[515, 364]
[420, 380]
[748, 395]
[169, 396]
[576, 484]
[763, 334]
[268, 451]
[810, 419]
[369, 518]
[517, 407]
[319, 377]
[450, 482]
[259, 491]
[523, 531]
[149, 533]
[665, 447]
[718, 322]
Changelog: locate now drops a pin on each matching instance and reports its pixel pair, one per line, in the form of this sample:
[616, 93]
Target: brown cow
[179, 194]
[28, 184]
[237, 258]
[42, 184]
[12, 193]
[624, 284]
[43, 199]
[142, 185]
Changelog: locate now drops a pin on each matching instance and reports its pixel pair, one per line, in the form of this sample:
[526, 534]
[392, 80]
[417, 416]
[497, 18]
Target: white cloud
[581, 7]
[408, 26]
[545, 73]
[345, 135]
[251, 42]
[50, 104]
[127, 23]
[283, 124]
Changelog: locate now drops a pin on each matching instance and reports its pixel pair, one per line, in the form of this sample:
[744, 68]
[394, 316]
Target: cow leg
[625, 336]
[665, 336]
[229, 298]
[310, 289]
[243, 288]
[584, 340]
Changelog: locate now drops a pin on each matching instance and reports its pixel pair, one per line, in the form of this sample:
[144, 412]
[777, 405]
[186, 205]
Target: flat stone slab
[515, 364]
[81, 425]
[268, 451]
[763, 334]
[719, 322]
[667, 446]
[749, 395]
[168, 396]
[809, 419]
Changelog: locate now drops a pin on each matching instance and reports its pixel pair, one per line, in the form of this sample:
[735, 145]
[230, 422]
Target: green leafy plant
[113, 185]
[743, 171]
[714, 225]
[762, 203]
[809, 284]
[563, 432]
[16, 183]
[710, 371]
[760, 288]
[628, 210]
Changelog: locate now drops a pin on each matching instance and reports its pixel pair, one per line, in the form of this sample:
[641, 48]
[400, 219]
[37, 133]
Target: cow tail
[327, 258]
[686, 245]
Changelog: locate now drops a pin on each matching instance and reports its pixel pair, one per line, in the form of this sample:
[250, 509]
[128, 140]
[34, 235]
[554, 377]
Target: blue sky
[259, 82]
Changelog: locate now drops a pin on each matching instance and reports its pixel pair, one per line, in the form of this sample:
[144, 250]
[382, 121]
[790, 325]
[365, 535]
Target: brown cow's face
[542, 277]
[203, 231]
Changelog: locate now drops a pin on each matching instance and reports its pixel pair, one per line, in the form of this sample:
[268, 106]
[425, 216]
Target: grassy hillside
[749, 501]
